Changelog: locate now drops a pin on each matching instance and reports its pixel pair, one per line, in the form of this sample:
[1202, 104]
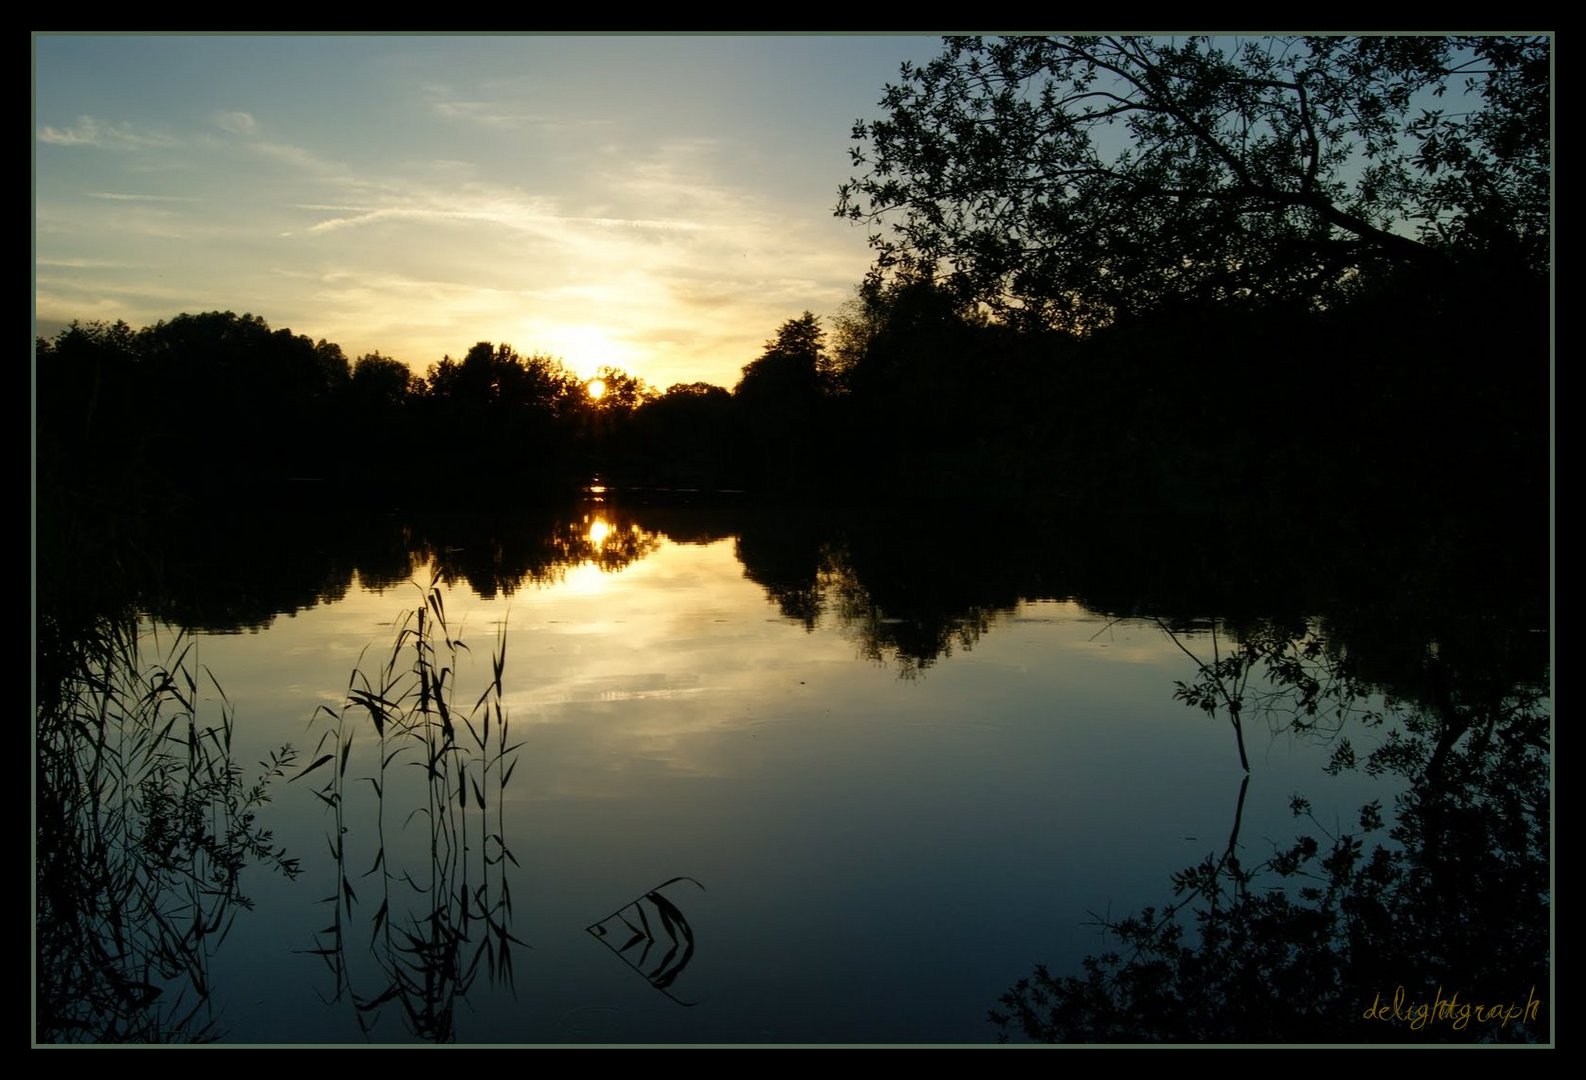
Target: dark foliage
[1075, 181]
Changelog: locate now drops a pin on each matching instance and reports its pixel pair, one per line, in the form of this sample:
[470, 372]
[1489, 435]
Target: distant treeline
[1411, 396]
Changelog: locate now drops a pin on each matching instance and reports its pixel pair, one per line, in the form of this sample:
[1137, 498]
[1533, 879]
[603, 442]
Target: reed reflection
[652, 936]
[145, 825]
[443, 919]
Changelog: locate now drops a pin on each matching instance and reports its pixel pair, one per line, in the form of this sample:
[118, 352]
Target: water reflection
[904, 596]
[145, 824]
[652, 936]
[702, 711]
[498, 557]
[1441, 908]
[440, 920]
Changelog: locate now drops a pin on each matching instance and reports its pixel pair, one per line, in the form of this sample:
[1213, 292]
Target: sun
[596, 389]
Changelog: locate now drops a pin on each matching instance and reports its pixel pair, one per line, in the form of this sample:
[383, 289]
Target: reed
[144, 824]
[635, 936]
[438, 925]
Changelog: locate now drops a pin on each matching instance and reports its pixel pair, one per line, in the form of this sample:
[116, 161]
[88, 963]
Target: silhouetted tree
[789, 369]
[381, 382]
[621, 392]
[88, 385]
[233, 401]
[682, 438]
[506, 418]
[490, 375]
[1069, 181]
[780, 403]
[938, 398]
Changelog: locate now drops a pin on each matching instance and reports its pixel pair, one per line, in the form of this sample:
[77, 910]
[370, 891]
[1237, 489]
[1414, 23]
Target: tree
[495, 376]
[334, 371]
[381, 382]
[789, 371]
[907, 328]
[621, 392]
[88, 404]
[782, 410]
[230, 399]
[1070, 181]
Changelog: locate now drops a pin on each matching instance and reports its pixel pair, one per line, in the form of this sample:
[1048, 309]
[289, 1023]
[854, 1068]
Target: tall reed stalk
[436, 926]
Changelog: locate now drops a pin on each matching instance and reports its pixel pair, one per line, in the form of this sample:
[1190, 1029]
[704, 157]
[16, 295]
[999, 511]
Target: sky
[658, 203]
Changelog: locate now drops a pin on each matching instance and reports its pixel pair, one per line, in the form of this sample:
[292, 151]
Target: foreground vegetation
[145, 823]
[423, 964]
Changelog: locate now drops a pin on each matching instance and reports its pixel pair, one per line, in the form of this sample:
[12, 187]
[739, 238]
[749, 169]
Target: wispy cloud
[123, 196]
[253, 139]
[490, 114]
[659, 253]
[91, 132]
[113, 287]
[88, 264]
[238, 123]
[298, 157]
[340, 208]
[508, 115]
[520, 217]
[688, 287]
[404, 213]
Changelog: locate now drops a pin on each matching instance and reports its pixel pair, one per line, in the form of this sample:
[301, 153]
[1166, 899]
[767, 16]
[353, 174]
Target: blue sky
[661, 203]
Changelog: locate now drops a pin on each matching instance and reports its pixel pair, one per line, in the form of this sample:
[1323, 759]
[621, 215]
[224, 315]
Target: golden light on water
[585, 579]
[596, 388]
[589, 578]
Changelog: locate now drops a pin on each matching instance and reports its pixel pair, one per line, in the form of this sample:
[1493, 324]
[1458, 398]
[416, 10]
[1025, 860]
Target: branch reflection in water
[1452, 900]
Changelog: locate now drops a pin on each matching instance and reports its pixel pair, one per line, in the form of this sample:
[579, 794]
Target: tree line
[216, 400]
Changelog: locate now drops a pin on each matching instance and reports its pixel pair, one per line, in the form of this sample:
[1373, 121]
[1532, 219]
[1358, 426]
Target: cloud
[91, 132]
[683, 270]
[89, 264]
[490, 114]
[297, 157]
[238, 123]
[129, 197]
[336, 207]
[509, 116]
[534, 216]
[666, 225]
[394, 213]
[686, 276]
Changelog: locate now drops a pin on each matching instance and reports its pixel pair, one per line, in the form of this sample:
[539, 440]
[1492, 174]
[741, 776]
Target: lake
[770, 776]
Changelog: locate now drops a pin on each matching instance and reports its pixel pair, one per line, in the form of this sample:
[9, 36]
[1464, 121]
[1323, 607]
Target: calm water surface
[878, 846]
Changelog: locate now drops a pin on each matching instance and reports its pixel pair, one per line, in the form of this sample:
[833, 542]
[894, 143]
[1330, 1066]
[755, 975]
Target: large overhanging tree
[1070, 181]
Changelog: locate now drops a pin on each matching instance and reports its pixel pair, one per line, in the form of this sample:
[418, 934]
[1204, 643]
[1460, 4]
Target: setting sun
[596, 388]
